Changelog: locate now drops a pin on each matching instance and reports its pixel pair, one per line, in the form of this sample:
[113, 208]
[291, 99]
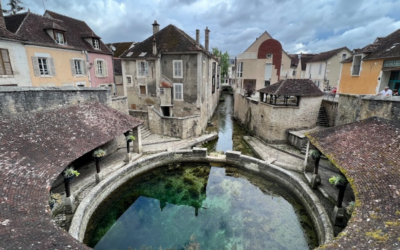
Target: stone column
[339, 212]
[137, 143]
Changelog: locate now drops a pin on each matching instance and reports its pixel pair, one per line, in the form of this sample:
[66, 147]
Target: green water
[200, 207]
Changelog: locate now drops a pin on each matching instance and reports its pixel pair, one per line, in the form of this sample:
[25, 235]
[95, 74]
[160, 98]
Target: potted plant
[350, 207]
[99, 153]
[338, 181]
[52, 201]
[130, 138]
[70, 173]
[314, 154]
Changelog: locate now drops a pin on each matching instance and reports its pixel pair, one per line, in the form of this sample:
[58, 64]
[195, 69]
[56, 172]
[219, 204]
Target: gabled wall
[96, 81]
[19, 64]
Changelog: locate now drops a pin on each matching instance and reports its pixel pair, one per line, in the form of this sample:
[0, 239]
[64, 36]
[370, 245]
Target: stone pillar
[339, 212]
[69, 204]
[137, 143]
[316, 179]
[197, 36]
[154, 46]
[156, 27]
[207, 38]
[2, 22]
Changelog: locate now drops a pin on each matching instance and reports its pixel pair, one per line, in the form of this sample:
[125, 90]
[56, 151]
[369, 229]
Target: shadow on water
[230, 134]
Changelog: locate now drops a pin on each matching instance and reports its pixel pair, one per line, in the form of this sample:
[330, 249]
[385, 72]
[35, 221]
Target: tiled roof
[294, 60]
[120, 48]
[14, 21]
[8, 35]
[305, 58]
[324, 56]
[293, 87]
[33, 26]
[35, 147]
[367, 152]
[169, 39]
[385, 47]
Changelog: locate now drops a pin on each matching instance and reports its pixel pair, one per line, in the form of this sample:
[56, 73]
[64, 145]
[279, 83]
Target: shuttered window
[101, 68]
[5, 63]
[178, 91]
[177, 68]
[78, 67]
[142, 68]
[43, 66]
[143, 90]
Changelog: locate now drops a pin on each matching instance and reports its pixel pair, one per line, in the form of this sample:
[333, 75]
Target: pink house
[101, 69]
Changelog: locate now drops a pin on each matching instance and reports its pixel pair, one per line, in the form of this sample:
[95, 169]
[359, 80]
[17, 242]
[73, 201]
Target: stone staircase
[145, 132]
[322, 118]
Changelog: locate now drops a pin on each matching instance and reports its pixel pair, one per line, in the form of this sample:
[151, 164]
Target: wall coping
[299, 188]
[137, 111]
[58, 89]
[174, 118]
[119, 98]
[374, 97]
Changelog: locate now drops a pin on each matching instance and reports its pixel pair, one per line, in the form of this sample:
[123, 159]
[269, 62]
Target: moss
[397, 212]
[378, 235]
[188, 181]
[392, 223]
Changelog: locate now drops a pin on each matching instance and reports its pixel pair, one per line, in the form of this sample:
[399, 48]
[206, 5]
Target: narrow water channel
[230, 134]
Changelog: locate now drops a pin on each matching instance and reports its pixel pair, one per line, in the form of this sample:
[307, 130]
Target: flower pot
[341, 186]
[68, 178]
[98, 158]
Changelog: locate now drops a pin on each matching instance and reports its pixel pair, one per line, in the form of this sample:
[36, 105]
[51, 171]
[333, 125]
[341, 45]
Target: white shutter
[35, 65]
[2, 70]
[73, 71]
[6, 61]
[146, 65]
[83, 65]
[268, 71]
[105, 70]
[96, 69]
[52, 66]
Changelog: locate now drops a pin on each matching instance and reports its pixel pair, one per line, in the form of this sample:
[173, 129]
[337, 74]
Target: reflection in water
[213, 208]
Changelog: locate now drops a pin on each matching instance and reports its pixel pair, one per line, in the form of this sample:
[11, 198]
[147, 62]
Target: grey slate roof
[293, 87]
[324, 56]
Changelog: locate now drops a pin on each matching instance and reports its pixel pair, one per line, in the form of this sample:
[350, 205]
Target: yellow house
[373, 67]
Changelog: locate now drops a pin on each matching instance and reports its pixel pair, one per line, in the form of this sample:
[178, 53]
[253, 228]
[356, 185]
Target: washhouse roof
[367, 152]
[293, 87]
[35, 147]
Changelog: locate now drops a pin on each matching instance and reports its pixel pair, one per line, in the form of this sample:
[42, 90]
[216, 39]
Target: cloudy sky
[300, 25]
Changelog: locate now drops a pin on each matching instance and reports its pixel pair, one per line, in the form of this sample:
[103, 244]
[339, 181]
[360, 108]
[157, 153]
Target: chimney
[207, 38]
[154, 46]
[197, 36]
[2, 22]
[156, 27]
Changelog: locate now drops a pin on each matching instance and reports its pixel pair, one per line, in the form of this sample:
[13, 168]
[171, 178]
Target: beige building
[262, 64]
[324, 68]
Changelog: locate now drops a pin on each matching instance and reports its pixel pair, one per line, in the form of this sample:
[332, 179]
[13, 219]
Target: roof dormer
[92, 39]
[56, 32]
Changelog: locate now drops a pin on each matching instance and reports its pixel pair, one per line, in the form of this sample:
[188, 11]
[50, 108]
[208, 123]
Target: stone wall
[141, 115]
[15, 100]
[354, 108]
[120, 103]
[331, 109]
[271, 122]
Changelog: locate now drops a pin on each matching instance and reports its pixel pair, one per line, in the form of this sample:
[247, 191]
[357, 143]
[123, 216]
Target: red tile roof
[367, 152]
[35, 147]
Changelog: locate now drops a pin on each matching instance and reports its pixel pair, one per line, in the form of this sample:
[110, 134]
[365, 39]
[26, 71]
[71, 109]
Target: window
[59, 37]
[129, 81]
[96, 43]
[143, 90]
[240, 69]
[80, 84]
[177, 67]
[142, 68]
[161, 91]
[267, 83]
[320, 68]
[5, 64]
[43, 65]
[78, 67]
[294, 73]
[269, 56]
[344, 56]
[101, 68]
[178, 91]
[356, 66]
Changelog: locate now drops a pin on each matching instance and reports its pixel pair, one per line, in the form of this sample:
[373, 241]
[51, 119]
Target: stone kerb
[300, 189]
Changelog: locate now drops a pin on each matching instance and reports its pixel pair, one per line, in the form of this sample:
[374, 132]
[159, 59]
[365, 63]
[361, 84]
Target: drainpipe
[326, 66]
[88, 71]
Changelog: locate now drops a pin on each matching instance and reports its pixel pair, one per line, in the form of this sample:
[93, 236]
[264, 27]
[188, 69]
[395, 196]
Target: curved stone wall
[299, 188]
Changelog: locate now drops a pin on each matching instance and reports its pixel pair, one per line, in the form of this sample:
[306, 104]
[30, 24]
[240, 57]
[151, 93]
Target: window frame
[130, 84]
[175, 91]
[240, 70]
[142, 72]
[145, 86]
[103, 63]
[353, 65]
[96, 43]
[176, 68]
[56, 38]
[3, 63]
[42, 61]
[82, 67]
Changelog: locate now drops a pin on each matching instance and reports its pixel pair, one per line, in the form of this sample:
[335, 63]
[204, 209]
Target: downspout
[326, 66]
[114, 88]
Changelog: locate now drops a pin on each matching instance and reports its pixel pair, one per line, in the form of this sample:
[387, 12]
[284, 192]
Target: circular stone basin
[200, 206]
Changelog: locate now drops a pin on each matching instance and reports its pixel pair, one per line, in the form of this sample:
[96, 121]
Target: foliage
[337, 180]
[99, 153]
[130, 138]
[314, 154]
[350, 207]
[249, 89]
[70, 172]
[15, 6]
[224, 61]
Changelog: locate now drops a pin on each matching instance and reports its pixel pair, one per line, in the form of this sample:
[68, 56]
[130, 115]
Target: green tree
[224, 61]
[15, 6]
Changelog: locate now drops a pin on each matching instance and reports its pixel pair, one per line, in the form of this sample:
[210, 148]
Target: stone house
[118, 49]
[174, 79]
[324, 68]
[291, 104]
[262, 63]
[14, 70]
[298, 65]
[373, 67]
[62, 51]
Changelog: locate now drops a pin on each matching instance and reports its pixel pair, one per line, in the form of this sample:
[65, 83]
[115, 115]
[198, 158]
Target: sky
[310, 26]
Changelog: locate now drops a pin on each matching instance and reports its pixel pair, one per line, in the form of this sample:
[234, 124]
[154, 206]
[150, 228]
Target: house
[61, 51]
[14, 70]
[99, 55]
[373, 67]
[262, 63]
[174, 79]
[298, 64]
[118, 49]
[324, 68]
[230, 78]
[290, 104]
